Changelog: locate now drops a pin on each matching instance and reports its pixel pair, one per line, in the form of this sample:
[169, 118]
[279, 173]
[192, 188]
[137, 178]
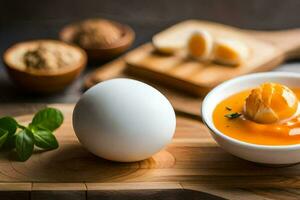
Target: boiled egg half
[200, 45]
[271, 103]
[230, 51]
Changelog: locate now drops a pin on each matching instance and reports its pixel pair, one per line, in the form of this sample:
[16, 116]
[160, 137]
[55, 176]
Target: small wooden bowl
[102, 53]
[45, 81]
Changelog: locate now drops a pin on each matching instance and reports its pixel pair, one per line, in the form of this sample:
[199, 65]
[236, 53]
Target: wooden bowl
[102, 53]
[43, 81]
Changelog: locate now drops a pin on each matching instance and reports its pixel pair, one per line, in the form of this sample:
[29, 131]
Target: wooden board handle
[286, 40]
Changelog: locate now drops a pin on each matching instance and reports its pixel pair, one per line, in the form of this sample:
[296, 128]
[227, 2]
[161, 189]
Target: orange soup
[229, 118]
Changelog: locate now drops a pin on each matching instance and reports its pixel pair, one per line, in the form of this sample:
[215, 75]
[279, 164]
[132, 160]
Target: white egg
[124, 120]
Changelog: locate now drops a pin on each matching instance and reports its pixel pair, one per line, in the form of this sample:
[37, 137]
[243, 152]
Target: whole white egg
[124, 120]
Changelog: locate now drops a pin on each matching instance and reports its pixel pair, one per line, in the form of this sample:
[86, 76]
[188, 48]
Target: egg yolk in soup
[271, 103]
[266, 115]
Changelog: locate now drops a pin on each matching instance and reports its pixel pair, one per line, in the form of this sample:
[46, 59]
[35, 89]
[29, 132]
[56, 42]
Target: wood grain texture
[284, 41]
[191, 167]
[198, 78]
[183, 103]
[151, 195]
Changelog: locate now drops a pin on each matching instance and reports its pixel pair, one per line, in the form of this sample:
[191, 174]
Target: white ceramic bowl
[275, 155]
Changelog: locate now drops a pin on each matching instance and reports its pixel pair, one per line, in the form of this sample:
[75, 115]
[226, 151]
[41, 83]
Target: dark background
[32, 19]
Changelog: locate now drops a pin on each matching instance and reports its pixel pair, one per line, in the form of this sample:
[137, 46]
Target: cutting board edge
[197, 90]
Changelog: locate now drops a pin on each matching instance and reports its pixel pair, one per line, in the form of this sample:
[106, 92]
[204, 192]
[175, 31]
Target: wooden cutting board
[191, 167]
[266, 52]
[287, 42]
[182, 103]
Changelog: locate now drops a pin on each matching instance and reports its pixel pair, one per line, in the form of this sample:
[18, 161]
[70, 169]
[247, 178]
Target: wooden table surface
[43, 19]
[191, 167]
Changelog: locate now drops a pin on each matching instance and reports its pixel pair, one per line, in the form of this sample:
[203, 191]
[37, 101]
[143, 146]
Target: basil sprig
[38, 133]
[233, 115]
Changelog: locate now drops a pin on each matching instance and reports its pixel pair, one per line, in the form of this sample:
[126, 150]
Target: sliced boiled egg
[271, 103]
[200, 45]
[230, 51]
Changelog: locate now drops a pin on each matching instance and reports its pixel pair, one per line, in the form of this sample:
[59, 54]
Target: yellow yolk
[243, 128]
[230, 52]
[200, 45]
[271, 103]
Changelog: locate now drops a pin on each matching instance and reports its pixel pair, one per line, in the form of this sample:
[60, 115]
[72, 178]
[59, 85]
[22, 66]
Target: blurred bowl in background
[107, 39]
[42, 81]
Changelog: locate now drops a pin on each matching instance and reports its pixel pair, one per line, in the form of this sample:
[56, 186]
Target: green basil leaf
[3, 137]
[48, 118]
[10, 142]
[24, 144]
[9, 124]
[45, 139]
[233, 115]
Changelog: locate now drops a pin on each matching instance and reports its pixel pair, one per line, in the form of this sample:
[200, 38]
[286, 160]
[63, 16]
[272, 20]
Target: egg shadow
[72, 163]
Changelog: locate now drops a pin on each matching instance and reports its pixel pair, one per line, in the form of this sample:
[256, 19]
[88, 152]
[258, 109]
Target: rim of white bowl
[209, 122]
